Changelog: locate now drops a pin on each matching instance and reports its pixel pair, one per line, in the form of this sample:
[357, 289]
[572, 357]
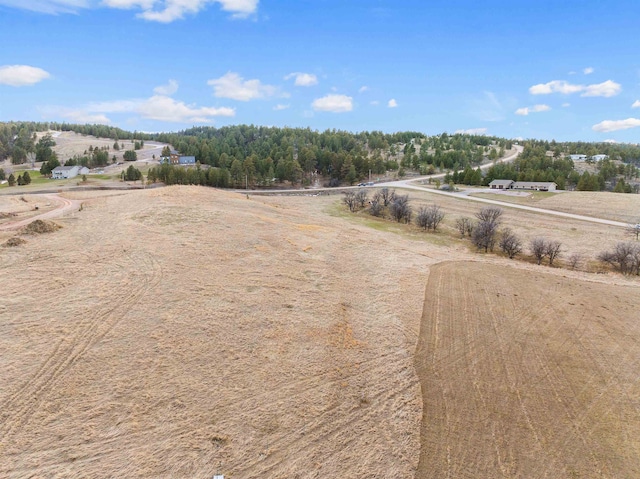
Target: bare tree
[400, 209]
[634, 231]
[552, 250]
[625, 257]
[361, 198]
[429, 217]
[510, 244]
[464, 225]
[387, 196]
[422, 218]
[484, 235]
[376, 208]
[489, 214]
[538, 247]
[574, 260]
[350, 200]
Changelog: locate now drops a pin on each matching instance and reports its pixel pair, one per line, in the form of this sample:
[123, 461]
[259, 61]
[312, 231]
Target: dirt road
[64, 207]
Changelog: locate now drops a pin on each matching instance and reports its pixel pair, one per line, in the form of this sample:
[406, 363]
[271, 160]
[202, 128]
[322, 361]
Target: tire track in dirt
[19, 406]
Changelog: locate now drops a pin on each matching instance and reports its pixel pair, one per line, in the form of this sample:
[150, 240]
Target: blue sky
[564, 70]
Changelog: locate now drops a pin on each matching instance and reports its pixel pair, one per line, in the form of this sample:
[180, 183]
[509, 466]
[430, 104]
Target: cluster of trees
[176, 175]
[130, 155]
[131, 174]
[387, 203]
[23, 179]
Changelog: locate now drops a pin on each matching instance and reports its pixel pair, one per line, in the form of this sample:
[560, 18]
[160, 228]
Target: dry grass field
[600, 204]
[526, 375]
[184, 331]
[70, 143]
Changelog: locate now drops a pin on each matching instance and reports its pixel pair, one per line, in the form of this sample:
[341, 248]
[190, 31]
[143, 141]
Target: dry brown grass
[600, 204]
[185, 331]
[528, 375]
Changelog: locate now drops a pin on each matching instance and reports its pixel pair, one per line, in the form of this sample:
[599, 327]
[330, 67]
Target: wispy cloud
[636, 104]
[392, 103]
[21, 75]
[333, 103]
[163, 11]
[532, 109]
[280, 107]
[363, 88]
[302, 79]
[588, 71]
[605, 89]
[615, 125]
[168, 89]
[233, 86]
[472, 131]
[489, 107]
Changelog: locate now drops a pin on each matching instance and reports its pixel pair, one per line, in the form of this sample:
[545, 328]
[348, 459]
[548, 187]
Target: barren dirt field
[526, 375]
[183, 331]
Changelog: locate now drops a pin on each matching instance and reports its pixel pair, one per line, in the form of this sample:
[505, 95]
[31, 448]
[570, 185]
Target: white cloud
[21, 75]
[533, 109]
[472, 131]
[303, 79]
[166, 11]
[615, 125]
[158, 107]
[636, 104]
[566, 105]
[232, 85]
[392, 103]
[363, 88]
[164, 108]
[168, 89]
[555, 86]
[280, 107]
[605, 89]
[375, 102]
[588, 71]
[610, 141]
[333, 103]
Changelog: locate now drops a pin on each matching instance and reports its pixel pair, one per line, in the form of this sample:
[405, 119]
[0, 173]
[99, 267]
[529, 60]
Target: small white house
[65, 172]
[599, 157]
[578, 157]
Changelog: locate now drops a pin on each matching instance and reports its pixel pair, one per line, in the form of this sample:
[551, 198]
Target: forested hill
[257, 155]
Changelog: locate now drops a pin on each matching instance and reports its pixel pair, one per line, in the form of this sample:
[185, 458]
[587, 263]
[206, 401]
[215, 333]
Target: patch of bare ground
[186, 331]
[528, 375]
[13, 242]
[38, 226]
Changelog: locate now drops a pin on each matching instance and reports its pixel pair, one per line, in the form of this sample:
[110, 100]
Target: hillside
[185, 331]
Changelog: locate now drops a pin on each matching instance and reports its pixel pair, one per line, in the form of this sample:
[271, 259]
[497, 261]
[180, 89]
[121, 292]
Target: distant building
[599, 157]
[178, 159]
[578, 157]
[534, 185]
[501, 184]
[65, 172]
[523, 185]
